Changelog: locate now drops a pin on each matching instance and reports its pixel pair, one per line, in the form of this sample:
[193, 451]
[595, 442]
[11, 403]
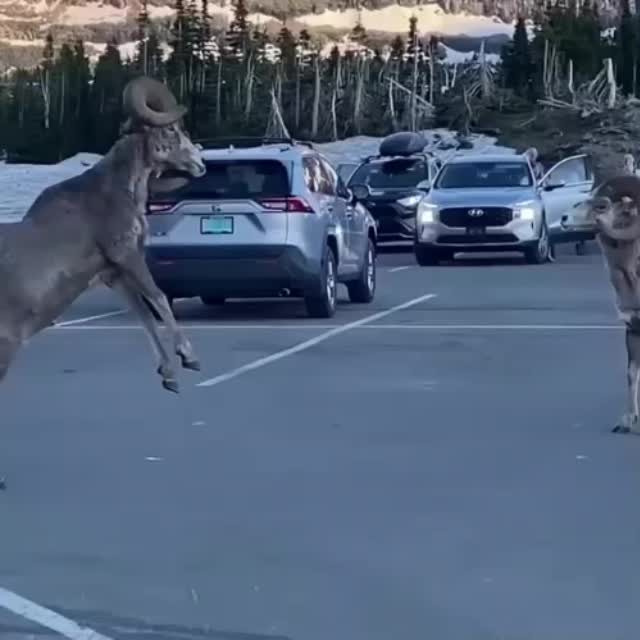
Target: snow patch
[459, 57]
[20, 184]
[395, 19]
[440, 142]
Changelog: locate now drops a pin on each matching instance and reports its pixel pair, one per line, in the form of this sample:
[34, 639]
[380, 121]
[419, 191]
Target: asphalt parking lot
[438, 464]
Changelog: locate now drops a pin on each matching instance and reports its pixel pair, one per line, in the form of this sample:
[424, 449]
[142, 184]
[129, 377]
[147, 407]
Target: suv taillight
[159, 207]
[290, 205]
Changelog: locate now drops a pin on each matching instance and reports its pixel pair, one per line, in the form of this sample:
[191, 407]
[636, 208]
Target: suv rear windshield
[482, 173]
[230, 179]
[393, 174]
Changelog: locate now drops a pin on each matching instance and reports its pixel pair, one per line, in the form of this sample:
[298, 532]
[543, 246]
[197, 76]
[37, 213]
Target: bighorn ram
[91, 229]
[614, 210]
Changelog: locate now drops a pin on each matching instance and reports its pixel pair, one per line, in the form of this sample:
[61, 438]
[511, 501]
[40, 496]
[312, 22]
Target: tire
[363, 289]
[322, 304]
[426, 256]
[539, 254]
[212, 301]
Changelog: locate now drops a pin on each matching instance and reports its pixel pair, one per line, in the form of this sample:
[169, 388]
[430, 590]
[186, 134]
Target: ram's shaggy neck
[126, 167]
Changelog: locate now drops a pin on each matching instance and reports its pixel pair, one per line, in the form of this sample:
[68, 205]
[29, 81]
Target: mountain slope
[463, 23]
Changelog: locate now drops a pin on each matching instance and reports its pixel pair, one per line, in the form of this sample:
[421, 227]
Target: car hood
[481, 197]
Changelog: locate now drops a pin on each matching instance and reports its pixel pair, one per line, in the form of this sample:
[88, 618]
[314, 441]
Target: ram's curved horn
[151, 102]
[619, 187]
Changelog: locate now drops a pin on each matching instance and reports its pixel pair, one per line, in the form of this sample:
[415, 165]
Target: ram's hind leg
[629, 423]
[8, 348]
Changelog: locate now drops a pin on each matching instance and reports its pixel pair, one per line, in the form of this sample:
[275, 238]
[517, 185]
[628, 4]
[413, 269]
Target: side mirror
[424, 185]
[342, 191]
[349, 196]
[360, 191]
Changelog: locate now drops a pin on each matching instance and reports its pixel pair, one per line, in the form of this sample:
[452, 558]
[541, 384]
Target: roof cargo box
[403, 143]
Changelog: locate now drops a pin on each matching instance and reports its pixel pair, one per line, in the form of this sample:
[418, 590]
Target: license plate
[216, 224]
[475, 231]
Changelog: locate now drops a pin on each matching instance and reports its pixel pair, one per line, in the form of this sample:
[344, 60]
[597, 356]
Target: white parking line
[75, 321]
[396, 269]
[46, 618]
[307, 344]
[393, 327]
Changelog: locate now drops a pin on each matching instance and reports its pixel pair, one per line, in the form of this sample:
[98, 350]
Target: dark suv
[391, 184]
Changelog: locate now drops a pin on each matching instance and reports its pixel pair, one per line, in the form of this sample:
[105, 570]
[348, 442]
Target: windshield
[394, 174]
[231, 179]
[481, 174]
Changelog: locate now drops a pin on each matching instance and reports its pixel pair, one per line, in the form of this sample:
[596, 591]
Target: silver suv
[487, 202]
[271, 219]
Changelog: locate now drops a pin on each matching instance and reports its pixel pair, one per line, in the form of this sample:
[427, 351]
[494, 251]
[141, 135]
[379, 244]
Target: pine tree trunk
[316, 97]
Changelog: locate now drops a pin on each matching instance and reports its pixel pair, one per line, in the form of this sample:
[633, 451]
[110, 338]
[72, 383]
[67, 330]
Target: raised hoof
[193, 365]
[171, 385]
[620, 429]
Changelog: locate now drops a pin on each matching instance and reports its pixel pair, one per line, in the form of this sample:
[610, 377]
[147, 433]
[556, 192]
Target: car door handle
[349, 215]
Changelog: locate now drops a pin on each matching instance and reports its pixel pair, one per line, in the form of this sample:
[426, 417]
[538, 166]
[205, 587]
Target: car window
[314, 177]
[569, 172]
[329, 182]
[345, 171]
[229, 179]
[476, 174]
[394, 174]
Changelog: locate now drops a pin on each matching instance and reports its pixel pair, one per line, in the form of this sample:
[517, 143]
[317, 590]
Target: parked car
[268, 219]
[392, 183]
[492, 203]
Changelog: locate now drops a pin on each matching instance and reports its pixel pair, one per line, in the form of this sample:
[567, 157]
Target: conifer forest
[242, 82]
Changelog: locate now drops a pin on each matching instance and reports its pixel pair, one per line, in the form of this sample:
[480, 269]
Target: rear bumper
[232, 271]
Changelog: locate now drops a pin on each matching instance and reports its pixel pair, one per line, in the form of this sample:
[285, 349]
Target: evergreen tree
[106, 92]
[412, 38]
[517, 62]
[287, 45]
[358, 34]
[626, 50]
[238, 32]
[397, 49]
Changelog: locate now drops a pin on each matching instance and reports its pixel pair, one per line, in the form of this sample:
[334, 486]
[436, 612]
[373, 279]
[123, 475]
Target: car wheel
[539, 254]
[363, 289]
[426, 256]
[323, 304]
[212, 301]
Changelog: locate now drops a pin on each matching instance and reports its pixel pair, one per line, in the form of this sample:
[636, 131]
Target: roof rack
[247, 141]
[377, 156]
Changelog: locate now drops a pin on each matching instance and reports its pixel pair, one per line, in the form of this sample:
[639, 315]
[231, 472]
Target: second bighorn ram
[614, 211]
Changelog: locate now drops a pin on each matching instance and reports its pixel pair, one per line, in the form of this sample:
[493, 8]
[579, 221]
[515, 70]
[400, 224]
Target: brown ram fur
[614, 211]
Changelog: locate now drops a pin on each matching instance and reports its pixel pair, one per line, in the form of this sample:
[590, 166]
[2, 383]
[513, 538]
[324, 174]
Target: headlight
[427, 212]
[525, 211]
[411, 201]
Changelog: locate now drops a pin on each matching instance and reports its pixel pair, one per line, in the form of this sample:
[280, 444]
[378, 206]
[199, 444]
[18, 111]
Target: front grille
[481, 238]
[491, 217]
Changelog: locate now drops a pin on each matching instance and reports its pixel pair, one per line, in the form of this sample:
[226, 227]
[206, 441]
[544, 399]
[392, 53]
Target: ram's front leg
[629, 421]
[135, 269]
[136, 303]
